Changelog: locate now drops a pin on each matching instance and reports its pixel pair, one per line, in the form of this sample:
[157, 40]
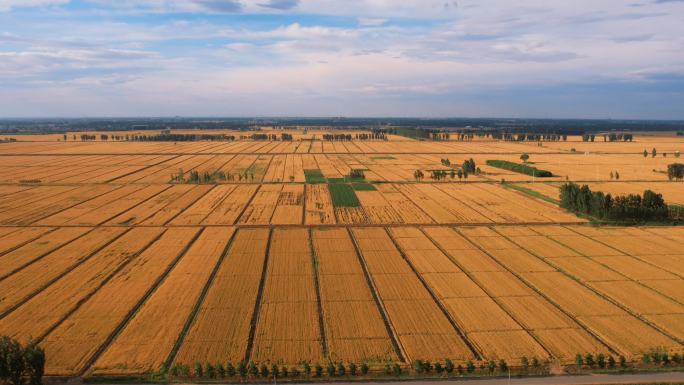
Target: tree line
[520, 168]
[675, 171]
[21, 364]
[632, 207]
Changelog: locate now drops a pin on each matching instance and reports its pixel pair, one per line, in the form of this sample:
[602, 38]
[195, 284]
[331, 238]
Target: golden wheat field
[116, 266]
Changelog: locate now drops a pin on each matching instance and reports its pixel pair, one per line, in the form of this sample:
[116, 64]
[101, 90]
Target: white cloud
[6, 5]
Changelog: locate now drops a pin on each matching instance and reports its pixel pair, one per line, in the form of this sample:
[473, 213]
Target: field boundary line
[135, 205]
[186, 207]
[142, 169]
[257, 302]
[601, 294]
[391, 332]
[236, 222]
[317, 285]
[99, 286]
[200, 300]
[45, 254]
[522, 279]
[80, 203]
[496, 300]
[134, 310]
[67, 271]
[474, 349]
[22, 244]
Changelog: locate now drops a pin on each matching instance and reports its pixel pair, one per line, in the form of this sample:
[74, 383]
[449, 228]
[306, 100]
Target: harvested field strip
[263, 204]
[49, 307]
[143, 211]
[290, 206]
[23, 198]
[89, 206]
[474, 310]
[354, 326]
[73, 343]
[33, 251]
[585, 306]
[174, 208]
[378, 209]
[53, 205]
[112, 209]
[422, 328]
[19, 238]
[407, 210]
[287, 329]
[533, 312]
[195, 214]
[319, 207]
[148, 338]
[220, 330]
[230, 209]
[30, 280]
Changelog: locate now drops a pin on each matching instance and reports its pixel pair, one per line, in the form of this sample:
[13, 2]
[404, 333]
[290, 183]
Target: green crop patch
[384, 157]
[520, 168]
[314, 176]
[343, 195]
[363, 187]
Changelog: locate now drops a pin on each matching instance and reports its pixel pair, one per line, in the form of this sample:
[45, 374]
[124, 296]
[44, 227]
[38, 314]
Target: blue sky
[432, 58]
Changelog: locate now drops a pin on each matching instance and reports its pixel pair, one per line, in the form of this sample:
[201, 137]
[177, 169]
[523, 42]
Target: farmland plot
[50, 306]
[263, 204]
[228, 211]
[424, 331]
[290, 205]
[287, 329]
[354, 326]
[319, 207]
[230, 302]
[151, 334]
[31, 279]
[74, 342]
[203, 207]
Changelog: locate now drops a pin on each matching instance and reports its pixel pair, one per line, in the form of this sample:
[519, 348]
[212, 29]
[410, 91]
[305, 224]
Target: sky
[617, 59]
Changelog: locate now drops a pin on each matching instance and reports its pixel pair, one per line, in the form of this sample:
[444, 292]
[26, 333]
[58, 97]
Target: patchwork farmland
[329, 251]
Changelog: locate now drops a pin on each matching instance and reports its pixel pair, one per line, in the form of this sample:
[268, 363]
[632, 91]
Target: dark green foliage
[469, 166]
[230, 370]
[601, 361]
[448, 365]
[579, 360]
[356, 175]
[675, 171]
[589, 360]
[364, 368]
[220, 370]
[611, 362]
[535, 363]
[520, 168]
[307, 368]
[242, 369]
[314, 176]
[470, 366]
[525, 363]
[343, 195]
[331, 369]
[459, 369]
[352, 369]
[677, 358]
[199, 371]
[419, 366]
[491, 365]
[623, 362]
[284, 372]
[503, 366]
[388, 369]
[341, 370]
[363, 187]
[211, 371]
[319, 370]
[603, 206]
[396, 370]
[274, 370]
[439, 368]
[264, 371]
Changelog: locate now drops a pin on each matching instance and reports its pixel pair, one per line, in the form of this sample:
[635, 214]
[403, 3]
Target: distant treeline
[632, 207]
[547, 126]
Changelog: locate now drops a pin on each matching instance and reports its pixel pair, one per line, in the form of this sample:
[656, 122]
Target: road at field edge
[591, 379]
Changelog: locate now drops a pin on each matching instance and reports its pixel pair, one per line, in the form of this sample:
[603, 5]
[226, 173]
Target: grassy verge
[519, 168]
[532, 193]
[314, 176]
[363, 187]
[384, 157]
